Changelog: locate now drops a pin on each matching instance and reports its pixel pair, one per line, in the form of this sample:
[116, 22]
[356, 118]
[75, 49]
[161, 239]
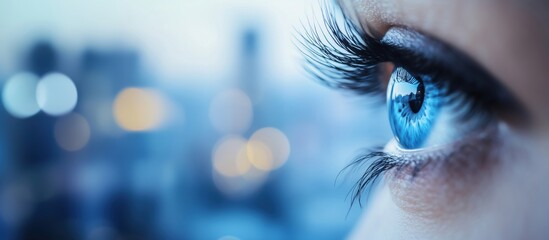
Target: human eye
[448, 115]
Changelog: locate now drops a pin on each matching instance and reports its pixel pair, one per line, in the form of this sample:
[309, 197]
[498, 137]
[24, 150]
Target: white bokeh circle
[19, 95]
[56, 94]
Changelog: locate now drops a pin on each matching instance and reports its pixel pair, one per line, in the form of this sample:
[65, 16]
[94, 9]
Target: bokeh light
[259, 155]
[72, 132]
[229, 156]
[19, 95]
[139, 109]
[231, 111]
[273, 140]
[234, 174]
[56, 94]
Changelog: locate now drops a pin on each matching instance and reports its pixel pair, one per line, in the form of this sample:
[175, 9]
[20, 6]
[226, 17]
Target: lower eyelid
[438, 183]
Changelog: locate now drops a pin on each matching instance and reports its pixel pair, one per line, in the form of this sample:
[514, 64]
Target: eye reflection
[413, 106]
[416, 100]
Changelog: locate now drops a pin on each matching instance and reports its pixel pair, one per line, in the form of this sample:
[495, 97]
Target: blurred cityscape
[106, 137]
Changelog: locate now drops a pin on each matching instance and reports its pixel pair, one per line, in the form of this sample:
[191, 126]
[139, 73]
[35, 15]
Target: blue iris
[413, 106]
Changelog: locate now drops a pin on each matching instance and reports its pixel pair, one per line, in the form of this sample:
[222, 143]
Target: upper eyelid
[344, 57]
[419, 52]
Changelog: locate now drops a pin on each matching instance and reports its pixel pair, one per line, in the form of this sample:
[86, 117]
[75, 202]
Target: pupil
[416, 100]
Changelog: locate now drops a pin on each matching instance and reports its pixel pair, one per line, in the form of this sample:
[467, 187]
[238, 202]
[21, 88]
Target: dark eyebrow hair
[341, 56]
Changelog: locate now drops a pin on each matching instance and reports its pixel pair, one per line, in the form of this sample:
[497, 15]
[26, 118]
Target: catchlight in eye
[413, 106]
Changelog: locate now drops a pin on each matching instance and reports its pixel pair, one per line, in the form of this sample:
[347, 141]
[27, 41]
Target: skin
[505, 195]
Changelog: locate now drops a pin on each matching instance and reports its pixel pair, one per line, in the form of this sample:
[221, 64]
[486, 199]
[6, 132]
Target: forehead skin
[509, 38]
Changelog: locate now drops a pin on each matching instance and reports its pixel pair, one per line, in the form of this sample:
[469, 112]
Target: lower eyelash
[409, 165]
[380, 162]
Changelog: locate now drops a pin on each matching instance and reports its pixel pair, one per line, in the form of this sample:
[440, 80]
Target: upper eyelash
[345, 59]
[341, 58]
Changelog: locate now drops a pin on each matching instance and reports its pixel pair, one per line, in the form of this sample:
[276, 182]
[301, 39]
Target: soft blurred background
[170, 119]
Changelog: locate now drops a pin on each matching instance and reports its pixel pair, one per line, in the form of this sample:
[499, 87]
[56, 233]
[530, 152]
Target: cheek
[435, 194]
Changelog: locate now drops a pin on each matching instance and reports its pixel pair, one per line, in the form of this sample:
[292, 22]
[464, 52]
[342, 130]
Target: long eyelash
[339, 56]
[379, 163]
